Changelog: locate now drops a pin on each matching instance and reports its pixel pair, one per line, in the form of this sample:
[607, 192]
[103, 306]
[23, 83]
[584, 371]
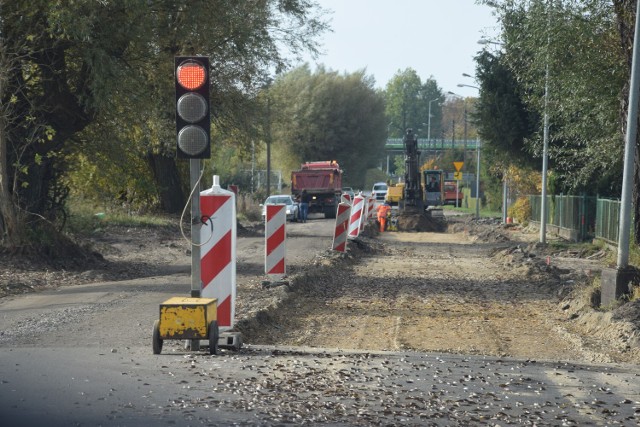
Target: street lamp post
[453, 130]
[477, 150]
[429, 121]
[478, 180]
[545, 142]
[388, 126]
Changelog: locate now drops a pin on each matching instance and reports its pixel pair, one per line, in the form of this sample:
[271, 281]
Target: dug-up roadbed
[479, 288]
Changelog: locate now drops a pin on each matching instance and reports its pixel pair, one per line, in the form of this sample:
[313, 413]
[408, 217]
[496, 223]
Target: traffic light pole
[194, 177]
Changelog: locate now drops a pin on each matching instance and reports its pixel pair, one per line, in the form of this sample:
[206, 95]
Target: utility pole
[268, 138]
[478, 180]
[614, 282]
[545, 137]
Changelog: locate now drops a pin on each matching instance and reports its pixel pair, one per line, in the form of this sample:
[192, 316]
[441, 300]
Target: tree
[625, 18]
[89, 73]
[407, 104]
[577, 42]
[503, 120]
[9, 227]
[407, 107]
[328, 116]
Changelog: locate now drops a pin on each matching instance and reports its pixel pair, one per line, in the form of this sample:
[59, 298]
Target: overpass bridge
[396, 145]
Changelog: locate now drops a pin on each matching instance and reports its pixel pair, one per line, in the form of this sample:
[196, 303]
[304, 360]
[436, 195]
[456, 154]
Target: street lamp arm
[487, 41]
[464, 85]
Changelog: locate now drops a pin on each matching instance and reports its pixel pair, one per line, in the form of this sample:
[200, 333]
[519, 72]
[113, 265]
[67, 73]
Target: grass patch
[634, 253]
[83, 218]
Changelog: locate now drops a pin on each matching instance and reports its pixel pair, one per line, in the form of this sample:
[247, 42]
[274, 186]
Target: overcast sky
[437, 38]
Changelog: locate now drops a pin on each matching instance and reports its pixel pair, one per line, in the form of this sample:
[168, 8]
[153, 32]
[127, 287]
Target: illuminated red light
[191, 75]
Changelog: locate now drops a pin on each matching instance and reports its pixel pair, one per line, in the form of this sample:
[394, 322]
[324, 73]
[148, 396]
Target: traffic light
[193, 123]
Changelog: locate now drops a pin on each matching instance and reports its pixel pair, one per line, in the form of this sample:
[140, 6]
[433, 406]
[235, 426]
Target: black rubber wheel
[157, 341]
[213, 337]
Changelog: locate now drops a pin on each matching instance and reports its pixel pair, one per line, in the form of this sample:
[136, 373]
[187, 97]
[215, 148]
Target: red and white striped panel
[371, 211]
[355, 217]
[342, 227]
[365, 213]
[345, 198]
[275, 241]
[218, 253]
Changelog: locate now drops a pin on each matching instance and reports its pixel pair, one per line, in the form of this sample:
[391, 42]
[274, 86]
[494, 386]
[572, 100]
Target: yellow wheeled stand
[187, 318]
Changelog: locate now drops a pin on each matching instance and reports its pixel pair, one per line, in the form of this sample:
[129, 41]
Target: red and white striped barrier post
[218, 252]
[371, 211]
[355, 217]
[345, 198]
[275, 241]
[342, 227]
[365, 213]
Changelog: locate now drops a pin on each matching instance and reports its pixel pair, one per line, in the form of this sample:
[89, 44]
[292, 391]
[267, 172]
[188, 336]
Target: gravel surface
[480, 288]
[475, 326]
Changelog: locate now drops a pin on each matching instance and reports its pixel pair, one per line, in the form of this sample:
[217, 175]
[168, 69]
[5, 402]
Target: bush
[520, 210]
[249, 207]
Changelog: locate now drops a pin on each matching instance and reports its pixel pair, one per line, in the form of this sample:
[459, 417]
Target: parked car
[379, 191]
[293, 209]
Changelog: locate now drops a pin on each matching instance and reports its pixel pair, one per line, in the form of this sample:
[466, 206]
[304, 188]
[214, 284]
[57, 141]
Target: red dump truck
[323, 182]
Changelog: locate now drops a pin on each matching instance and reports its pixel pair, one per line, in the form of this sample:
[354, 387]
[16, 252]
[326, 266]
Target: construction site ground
[477, 288]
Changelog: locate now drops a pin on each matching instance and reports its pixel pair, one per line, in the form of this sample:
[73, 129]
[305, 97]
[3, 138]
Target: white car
[379, 191]
[293, 209]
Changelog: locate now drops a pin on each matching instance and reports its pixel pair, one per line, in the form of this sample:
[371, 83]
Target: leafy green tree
[503, 120]
[586, 46]
[407, 105]
[577, 42]
[81, 75]
[625, 11]
[328, 116]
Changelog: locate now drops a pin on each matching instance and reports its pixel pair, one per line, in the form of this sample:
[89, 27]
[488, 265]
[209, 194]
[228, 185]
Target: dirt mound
[488, 230]
[420, 223]
[629, 312]
[252, 229]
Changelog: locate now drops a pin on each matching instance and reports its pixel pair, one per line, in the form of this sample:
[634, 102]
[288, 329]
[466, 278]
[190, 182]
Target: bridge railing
[433, 144]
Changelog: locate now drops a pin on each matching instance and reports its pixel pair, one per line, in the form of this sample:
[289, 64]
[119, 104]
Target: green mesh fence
[571, 212]
[607, 218]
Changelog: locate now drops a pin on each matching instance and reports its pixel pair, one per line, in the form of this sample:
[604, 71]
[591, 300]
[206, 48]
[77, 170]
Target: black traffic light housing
[193, 117]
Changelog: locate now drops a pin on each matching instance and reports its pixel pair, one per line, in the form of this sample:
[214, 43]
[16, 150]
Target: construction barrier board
[342, 227]
[218, 251]
[275, 241]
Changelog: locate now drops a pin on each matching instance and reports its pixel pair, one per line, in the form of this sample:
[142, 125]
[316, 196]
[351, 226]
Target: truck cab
[433, 187]
[452, 194]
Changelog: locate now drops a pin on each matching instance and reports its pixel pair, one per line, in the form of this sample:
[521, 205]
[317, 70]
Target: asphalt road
[82, 356]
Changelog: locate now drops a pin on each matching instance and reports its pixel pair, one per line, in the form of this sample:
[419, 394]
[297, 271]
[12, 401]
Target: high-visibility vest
[383, 210]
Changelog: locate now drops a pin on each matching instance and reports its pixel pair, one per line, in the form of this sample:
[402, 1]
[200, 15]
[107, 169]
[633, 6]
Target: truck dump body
[323, 182]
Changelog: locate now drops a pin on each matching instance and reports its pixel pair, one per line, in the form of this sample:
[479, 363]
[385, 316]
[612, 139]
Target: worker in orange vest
[383, 211]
